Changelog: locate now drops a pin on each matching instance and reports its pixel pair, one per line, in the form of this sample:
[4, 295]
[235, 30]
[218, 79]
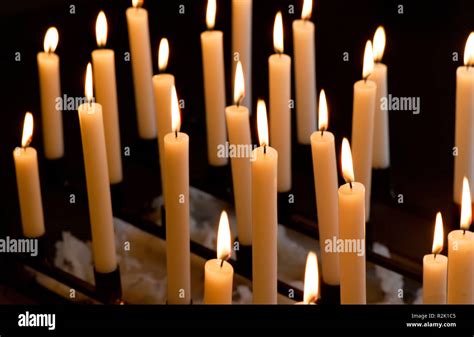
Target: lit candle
[178, 259]
[162, 85]
[139, 39]
[280, 115]
[97, 178]
[352, 230]
[463, 159]
[214, 86]
[435, 269]
[238, 127]
[311, 280]
[381, 142]
[461, 255]
[218, 273]
[242, 42]
[305, 74]
[106, 92]
[28, 183]
[50, 89]
[363, 126]
[325, 180]
[264, 215]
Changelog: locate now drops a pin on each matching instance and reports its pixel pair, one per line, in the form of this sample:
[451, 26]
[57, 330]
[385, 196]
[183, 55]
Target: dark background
[419, 55]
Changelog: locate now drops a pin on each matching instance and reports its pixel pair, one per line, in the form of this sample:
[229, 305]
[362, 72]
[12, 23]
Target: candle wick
[350, 184]
[435, 254]
[176, 133]
[264, 149]
[464, 232]
[222, 262]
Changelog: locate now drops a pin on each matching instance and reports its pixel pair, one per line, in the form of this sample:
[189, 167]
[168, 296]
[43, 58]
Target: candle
[264, 215]
[162, 85]
[106, 92]
[178, 259]
[305, 74]
[214, 86]
[139, 39]
[97, 178]
[363, 126]
[218, 273]
[280, 116]
[311, 280]
[238, 127]
[28, 183]
[461, 255]
[50, 89]
[351, 233]
[463, 160]
[381, 142]
[242, 42]
[435, 269]
[325, 180]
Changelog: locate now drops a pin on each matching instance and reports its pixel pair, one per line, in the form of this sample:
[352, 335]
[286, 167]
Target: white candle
[305, 74]
[106, 92]
[162, 85]
[461, 255]
[139, 39]
[435, 269]
[311, 280]
[238, 127]
[264, 215]
[214, 86]
[50, 89]
[280, 115]
[325, 180]
[352, 231]
[242, 42]
[28, 183]
[463, 159]
[218, 273]
[97, 178]
[363, 126]
[178, 259]
[381, 142]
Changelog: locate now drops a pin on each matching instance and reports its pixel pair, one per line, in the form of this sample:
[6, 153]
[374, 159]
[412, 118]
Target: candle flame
[163, 54]
[311, 279]
[307, 9]
[466, 206]
[137, 3]
[346, 158]
[469, 51]
[438, 235]
[101, 29]
[262, 123]
[278, 34]
[224, 240]
[239, 84]
[323, 111]
[175, 113]
[51, 40]
[379, 43]
[27, 136]
[89, 88]
[368, 60]
[211, 14]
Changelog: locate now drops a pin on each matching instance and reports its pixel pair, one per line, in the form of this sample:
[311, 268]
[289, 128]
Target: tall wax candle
[214, 86]
[97, 178]
[106, 94]
[464, 143]
[264, 215]
[435, 269]
[381, 142]
[325, 180]
[139, 39]
[178, 256]
[363, 126]
[352, 231]
[50, 89]
[280, 115]
[28, 183]
[305, 74]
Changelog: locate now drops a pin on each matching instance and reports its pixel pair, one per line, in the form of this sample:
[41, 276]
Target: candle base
[330, 294]
[117, 198]
[108, 286]
[382, 188]
[55, 172]
[244, 259]
[190, 303]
